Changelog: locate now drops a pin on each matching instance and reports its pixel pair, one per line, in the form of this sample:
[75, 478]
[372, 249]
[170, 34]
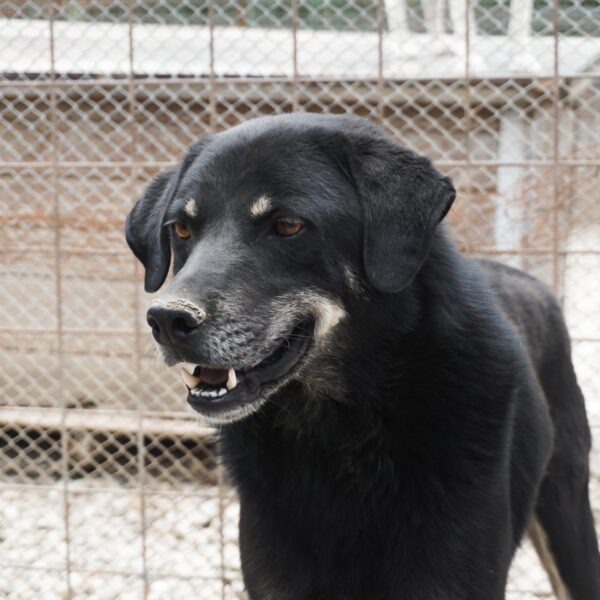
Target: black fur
[406, 456]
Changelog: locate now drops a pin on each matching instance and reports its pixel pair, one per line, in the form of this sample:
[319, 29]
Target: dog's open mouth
[228, 393]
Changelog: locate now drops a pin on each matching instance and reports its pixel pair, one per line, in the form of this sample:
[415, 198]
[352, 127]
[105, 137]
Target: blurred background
[109, 487]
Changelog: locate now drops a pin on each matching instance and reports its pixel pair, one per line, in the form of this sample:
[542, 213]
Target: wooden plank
[118, 422]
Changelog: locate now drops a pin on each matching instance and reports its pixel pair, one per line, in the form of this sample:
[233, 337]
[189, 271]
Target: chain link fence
[109, 487]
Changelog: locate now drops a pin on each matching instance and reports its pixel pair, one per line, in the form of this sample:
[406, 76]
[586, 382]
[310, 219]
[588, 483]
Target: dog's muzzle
[175, 320]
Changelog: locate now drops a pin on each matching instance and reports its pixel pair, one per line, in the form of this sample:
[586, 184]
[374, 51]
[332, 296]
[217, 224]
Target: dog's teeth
[222, 391]
[190, 380]
[189, 367]
[231, 379]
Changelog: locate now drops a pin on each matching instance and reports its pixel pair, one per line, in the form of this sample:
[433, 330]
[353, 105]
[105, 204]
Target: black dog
[393, 415]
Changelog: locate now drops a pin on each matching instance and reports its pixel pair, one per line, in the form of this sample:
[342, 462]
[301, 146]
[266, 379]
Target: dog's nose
[170, 324]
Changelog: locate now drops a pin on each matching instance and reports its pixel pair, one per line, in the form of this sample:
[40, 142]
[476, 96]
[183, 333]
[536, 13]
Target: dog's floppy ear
[403, 199]
[145, 232]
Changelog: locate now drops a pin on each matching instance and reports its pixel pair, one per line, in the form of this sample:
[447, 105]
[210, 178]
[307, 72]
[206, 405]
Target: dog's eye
[287, 227]
[182, 231]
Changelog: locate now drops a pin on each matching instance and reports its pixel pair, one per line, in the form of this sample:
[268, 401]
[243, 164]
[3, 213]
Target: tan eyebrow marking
[191, 208]
[261, 206]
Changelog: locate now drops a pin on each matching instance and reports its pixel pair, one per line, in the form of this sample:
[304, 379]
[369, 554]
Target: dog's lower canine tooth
[190, 380]
[231, 379]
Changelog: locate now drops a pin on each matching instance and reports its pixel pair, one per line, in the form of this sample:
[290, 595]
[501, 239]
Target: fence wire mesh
[109, 487]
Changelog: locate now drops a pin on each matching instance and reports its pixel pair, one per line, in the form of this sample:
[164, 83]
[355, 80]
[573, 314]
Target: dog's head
[276, 229]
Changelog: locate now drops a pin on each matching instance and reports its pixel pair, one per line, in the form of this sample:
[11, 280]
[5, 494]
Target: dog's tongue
[214, 376]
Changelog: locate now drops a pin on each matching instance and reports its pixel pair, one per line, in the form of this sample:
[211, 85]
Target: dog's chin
[223, 400]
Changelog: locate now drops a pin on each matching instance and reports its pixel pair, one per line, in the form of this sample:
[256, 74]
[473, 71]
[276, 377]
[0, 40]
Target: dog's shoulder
[530, 306]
